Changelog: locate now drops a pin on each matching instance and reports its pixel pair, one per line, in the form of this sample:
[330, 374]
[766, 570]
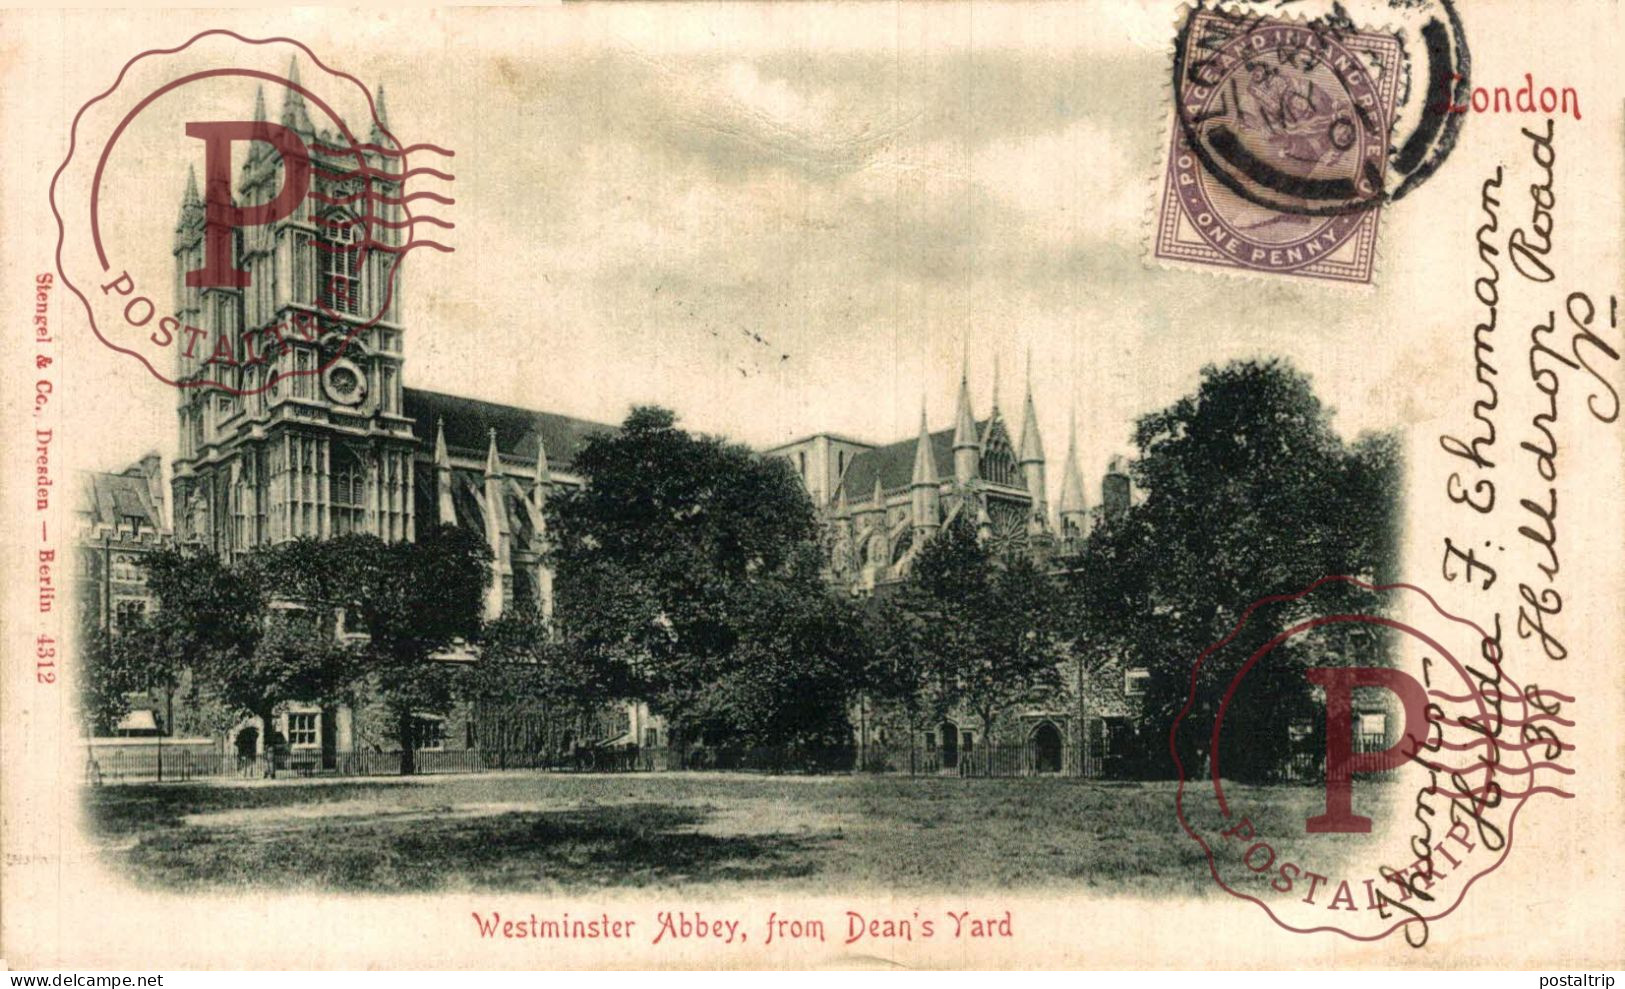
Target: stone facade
[271, 451]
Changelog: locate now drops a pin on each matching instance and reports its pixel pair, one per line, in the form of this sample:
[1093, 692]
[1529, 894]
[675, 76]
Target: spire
[840, 501]
[189, 199]
[924, 501]
[294, 113]
[967, 451]
[880, 493]
[995, 381]
[380, 120]
[1032, 445]
[496, 528]
[445, 507]
[964, 419]
[925, 466]
[256, 149]
[187, 225]
[493, 460]
[1072, 499]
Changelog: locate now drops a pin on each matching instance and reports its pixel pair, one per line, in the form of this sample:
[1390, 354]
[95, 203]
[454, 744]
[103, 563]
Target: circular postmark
[1311, 116]
[1352, 758]
[281, 244]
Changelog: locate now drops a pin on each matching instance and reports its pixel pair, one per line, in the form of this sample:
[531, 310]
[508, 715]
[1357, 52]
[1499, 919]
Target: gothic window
[999, 457]
[304, 362]
[261, 494]
[125, 569]
[340, 250]
[348, 493]
[525, 589]
[1009, 527]
[128, 613]
[239, 518]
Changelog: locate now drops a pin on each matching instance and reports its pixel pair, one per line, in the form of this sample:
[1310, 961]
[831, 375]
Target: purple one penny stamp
[1279, 146]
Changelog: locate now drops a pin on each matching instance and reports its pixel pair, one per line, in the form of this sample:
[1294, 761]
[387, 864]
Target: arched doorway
[950, 745]
[1046, 740]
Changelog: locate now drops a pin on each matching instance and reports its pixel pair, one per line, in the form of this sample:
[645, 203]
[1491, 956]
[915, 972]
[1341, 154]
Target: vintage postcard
[1128, 484]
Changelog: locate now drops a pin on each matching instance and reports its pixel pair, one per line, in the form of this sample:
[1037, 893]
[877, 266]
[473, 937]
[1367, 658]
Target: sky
[775, 233]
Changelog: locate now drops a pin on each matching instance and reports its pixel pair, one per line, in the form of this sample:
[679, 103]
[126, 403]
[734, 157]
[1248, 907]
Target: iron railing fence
[1309, 765]
[181, 764]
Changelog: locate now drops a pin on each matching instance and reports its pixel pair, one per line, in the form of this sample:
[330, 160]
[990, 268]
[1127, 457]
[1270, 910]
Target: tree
[900, 675]
[108, 673]
[248, 641]
[415, 600]
[207, 618]
[530, 685]
[989, 631]
[296, 657]
[1248, 492]
[798, 659]
[663, 552]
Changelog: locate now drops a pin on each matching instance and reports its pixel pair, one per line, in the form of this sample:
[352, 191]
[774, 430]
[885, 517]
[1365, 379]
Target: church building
[319, 437]
[882, 503]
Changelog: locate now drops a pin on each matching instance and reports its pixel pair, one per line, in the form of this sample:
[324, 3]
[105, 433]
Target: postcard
[1099, 485]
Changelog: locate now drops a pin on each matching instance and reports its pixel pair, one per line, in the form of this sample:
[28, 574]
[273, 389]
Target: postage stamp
[1278, 151]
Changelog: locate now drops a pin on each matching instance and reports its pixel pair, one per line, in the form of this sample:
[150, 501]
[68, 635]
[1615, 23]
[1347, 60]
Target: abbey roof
[468, 421]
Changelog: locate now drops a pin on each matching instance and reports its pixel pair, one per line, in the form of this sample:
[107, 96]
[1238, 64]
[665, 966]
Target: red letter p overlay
[1342, 762]
[221, 215]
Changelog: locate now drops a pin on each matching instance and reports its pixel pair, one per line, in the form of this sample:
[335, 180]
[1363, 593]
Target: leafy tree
[109, 671]
[415, 600]
[295, 657]
[1248, 492]
[207, 618]
[900, 675]
[662, 550]
[530, 685]
[792, 673]
[989, 631]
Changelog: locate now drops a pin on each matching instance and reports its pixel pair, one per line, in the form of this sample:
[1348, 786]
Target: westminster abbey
[324, 438]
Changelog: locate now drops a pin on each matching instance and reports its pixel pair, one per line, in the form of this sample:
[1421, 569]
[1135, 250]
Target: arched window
[340, 262]
[998, 456]
[348, 493]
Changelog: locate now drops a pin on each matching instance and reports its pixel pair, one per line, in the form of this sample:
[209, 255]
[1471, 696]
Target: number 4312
[45, 659]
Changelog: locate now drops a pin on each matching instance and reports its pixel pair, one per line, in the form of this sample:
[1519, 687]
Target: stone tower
[300, 431]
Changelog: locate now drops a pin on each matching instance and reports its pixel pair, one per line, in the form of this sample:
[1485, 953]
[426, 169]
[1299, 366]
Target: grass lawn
[539, 831]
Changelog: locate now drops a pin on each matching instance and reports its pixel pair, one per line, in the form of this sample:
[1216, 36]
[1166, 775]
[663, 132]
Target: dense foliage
[691, 568]
[690, 575]
[1248, 492]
